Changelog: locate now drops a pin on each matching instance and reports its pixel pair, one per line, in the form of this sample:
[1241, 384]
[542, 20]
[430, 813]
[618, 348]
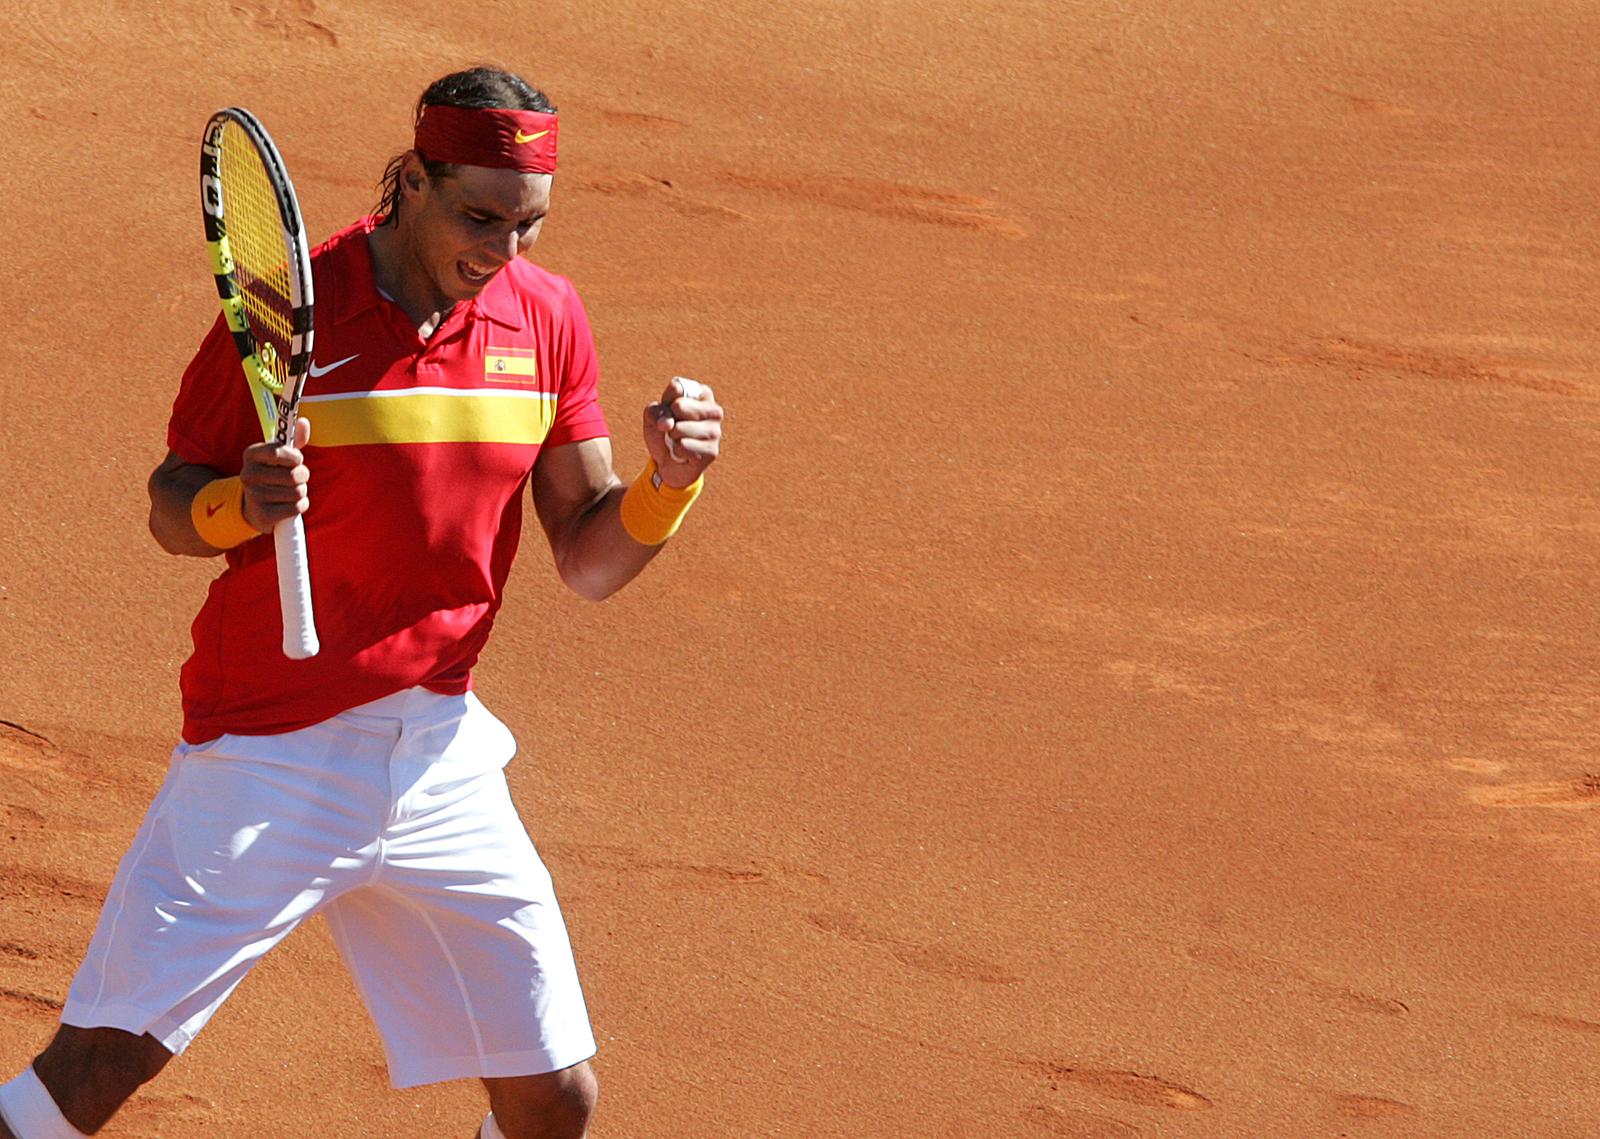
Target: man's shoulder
[341, 272]
[342, 244]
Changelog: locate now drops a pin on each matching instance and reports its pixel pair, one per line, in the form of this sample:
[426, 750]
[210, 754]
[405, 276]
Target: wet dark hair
[476, 87]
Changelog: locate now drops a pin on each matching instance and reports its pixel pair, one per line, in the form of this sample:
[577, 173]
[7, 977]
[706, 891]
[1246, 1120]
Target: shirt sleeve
[578, 413]
[213, 419]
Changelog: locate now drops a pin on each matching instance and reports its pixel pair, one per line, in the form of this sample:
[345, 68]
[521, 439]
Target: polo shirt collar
[498, 301]
[355, 290]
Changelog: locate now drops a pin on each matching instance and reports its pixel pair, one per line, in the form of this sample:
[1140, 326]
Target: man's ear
[413, 176]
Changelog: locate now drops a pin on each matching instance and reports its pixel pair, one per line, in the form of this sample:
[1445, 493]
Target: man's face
[465, 227]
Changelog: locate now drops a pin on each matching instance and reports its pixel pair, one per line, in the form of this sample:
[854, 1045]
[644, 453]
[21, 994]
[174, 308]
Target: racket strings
[259, 249]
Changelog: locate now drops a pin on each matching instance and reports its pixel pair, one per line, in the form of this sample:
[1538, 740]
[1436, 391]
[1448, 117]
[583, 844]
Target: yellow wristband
[218, 514]
[652, 510]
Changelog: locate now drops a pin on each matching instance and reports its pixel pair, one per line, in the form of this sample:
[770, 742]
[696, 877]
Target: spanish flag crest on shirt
[510, 365]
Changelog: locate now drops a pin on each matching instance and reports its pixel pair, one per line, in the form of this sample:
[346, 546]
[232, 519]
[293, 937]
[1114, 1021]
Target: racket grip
[294, 589]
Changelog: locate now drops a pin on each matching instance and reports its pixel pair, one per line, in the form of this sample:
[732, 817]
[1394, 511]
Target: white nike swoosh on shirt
[325, 369]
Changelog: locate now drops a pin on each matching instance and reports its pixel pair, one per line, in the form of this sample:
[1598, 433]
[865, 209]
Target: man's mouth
[475, 274]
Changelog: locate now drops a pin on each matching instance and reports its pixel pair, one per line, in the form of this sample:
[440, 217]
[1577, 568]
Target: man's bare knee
[556, 1105]
[91, 1072]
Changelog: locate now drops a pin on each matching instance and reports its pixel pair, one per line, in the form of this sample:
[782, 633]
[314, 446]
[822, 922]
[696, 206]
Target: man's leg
[556, 1105]
[457, 944]
[89, 1073]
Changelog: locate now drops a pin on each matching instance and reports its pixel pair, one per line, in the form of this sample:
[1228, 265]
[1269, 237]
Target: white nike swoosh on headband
[324, 370]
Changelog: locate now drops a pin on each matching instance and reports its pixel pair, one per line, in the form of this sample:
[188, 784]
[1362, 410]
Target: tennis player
[366, 783]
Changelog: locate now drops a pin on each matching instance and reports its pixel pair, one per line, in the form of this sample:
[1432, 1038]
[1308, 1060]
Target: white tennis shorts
[394, 821]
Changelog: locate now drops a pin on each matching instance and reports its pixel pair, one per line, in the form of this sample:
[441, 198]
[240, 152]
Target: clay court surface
[1134, 670]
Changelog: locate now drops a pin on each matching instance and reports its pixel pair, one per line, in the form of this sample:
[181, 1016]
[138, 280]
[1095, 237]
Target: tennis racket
[263, 272]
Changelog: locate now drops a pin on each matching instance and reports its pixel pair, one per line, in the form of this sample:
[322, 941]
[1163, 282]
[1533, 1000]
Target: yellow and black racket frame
[275, 384]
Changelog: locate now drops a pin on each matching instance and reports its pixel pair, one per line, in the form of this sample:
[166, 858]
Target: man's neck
[395, 276]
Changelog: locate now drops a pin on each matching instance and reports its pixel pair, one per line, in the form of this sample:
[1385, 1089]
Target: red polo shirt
[419, 454]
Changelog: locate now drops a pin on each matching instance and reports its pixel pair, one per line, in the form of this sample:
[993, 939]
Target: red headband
[511, 140]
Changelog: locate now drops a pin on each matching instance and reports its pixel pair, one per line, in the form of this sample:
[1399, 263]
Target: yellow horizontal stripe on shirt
[429, 415]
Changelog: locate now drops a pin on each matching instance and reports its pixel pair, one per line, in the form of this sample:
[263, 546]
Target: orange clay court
[1152, 568]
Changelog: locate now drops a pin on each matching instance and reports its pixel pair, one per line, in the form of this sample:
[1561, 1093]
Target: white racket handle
[294, 589]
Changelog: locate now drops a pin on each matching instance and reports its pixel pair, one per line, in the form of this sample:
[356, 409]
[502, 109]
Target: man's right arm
[173, 486]
[274, 483]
